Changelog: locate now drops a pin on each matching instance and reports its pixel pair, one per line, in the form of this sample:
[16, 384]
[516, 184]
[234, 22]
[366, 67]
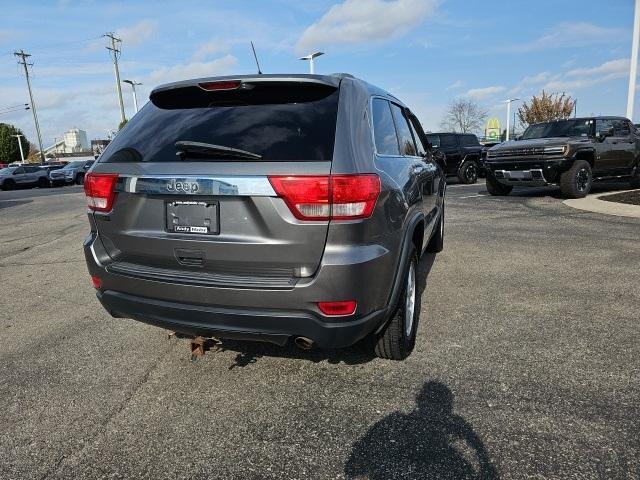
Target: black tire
[397, 338]
[468, 172]
[495, 188]
[79, 179]
[8, 185]
[436, 244]
[635, 179]
[43, 183]
[576, 182]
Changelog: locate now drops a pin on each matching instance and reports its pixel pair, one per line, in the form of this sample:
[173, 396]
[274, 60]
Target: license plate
[192, 217]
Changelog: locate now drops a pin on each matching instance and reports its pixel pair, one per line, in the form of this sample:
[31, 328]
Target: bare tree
[545, 108]
[463, 115]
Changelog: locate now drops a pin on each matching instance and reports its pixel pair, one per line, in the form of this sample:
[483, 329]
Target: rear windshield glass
[279, 121]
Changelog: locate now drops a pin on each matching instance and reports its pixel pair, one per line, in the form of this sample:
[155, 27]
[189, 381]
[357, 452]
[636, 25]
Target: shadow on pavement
[12, 203]
[430, 442]
[250, 352]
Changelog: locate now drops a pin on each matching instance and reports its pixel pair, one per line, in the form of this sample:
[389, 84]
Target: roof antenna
[256, 57]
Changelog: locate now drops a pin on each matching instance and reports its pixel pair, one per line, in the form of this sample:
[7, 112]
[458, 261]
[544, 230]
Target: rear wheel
[635, 179]
[468, 172]
[576, 182]
[43, 183]
[79, 179]
[8, 185]
[494, 187]
[397, 339]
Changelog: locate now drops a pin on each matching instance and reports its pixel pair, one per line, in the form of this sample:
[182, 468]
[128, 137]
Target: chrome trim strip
[253, 186]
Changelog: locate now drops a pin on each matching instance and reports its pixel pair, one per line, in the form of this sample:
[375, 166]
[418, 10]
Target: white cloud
[455, 85]
[482, 93]
[572, 34]
[355, 21]
[219, 66]
[210, 47]
[138, 33]
[618, 66]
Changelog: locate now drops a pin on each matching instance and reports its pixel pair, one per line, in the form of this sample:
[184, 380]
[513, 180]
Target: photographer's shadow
[430, 442]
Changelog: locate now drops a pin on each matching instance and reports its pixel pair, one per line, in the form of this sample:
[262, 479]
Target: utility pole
[26, 66]
[633, 71]
[115, 53]
[18, 136]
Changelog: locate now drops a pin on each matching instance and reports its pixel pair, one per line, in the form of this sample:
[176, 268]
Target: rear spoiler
[243, 90]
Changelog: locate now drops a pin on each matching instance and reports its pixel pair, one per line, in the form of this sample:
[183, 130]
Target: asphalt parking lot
[527, 363]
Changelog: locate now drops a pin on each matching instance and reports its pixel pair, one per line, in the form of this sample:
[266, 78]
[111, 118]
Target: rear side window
[469, 140]
[621, 128]
[434, 140]
[280, 121]
[384, 130]
[422, 150]
[407, 145]
[448, 141]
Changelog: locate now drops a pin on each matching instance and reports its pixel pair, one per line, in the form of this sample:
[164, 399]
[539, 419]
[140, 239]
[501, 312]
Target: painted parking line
[474, 196]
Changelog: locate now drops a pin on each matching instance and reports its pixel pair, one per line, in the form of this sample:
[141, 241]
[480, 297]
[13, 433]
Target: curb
[592, 203]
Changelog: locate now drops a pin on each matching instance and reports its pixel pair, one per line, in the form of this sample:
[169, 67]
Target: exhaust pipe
[304, 343]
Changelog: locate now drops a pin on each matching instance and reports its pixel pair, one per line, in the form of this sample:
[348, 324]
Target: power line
[21, 54]
[115, 52]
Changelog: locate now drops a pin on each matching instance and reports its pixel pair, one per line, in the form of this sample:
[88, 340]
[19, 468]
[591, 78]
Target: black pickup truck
[571, 153]
[460, 154]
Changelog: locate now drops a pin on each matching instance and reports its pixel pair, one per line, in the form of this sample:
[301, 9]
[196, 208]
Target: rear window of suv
[280, 121]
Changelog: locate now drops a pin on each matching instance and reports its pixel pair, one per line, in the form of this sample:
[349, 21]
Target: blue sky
[426, 52]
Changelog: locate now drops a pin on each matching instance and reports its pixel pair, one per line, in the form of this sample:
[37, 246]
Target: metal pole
[312, 69]
[633, 71]
[508, 118]
[135, 98]
[24, 56]
[20, 145]
[115, 52]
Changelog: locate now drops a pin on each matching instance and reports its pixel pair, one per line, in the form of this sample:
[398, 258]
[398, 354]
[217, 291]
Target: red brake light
[100, 189]
[324, 197]
[223, 85]
[97, 283]
[346, 307]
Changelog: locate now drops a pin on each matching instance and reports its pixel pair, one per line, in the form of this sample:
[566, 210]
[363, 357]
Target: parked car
[50, 168]
[569, 153]
[277, 212]
[72, 172]
[462, 153]
[483, 155]
[23, 176]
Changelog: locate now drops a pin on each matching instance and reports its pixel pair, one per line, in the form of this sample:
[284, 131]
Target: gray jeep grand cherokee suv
[269, 207]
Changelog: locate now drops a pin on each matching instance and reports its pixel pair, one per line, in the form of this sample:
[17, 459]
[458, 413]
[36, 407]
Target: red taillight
[100, 189]
[345, 307]
[324, 197]
[97, 283]
[222, 85]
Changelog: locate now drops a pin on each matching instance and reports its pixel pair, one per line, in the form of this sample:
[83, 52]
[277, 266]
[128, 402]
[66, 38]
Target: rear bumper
[364, 273]
[240, 324]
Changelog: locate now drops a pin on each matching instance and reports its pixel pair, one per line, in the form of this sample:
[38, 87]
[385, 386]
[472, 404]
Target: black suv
[461, 154]
[269, 207]
[570, 153]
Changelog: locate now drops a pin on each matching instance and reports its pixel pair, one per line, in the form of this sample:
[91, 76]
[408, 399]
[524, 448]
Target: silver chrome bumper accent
[529, 178]
[254, 186]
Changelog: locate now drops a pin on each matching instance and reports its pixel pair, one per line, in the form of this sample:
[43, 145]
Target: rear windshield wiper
[211, 150]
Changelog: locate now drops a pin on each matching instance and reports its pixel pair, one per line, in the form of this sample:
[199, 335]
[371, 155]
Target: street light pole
[508, 102]
[310, 57]
[133, 84]
[18, 136]
[633, 71]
